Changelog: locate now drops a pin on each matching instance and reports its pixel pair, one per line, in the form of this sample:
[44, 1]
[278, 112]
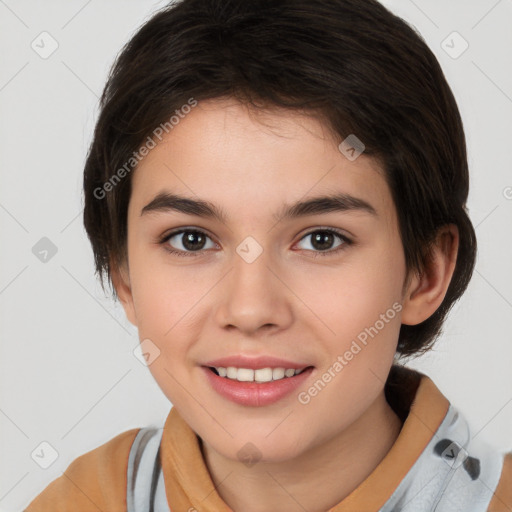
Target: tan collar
[414, 397]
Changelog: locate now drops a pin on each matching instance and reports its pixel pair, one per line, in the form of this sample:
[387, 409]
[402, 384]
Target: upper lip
[255, 363]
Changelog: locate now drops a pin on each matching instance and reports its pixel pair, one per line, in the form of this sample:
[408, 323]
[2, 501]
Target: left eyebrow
[166, 201]
[326, 204]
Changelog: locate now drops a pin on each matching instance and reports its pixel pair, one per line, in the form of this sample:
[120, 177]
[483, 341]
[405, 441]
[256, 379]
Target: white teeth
[245, 375]
[231, 372]
[277, 373]
[263, 375]
[260, 375]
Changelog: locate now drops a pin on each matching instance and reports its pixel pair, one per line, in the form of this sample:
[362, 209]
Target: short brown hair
[364, 70]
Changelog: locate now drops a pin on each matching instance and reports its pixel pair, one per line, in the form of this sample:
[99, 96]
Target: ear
[121, 281]
[426, 291]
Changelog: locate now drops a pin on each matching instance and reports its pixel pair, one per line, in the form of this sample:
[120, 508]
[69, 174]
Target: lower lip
[256, 394]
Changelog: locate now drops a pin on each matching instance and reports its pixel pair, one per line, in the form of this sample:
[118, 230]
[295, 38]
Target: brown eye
[322, 241]
[186, 241]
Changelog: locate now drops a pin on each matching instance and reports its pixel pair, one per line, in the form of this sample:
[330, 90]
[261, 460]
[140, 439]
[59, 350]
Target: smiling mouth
[261, 375]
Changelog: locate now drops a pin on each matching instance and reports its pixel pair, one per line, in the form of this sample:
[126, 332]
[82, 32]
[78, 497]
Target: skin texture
[287, 303]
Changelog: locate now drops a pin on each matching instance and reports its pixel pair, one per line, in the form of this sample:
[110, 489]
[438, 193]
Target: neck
[316, 480]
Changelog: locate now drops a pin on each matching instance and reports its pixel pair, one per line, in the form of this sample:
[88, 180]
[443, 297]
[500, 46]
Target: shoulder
[95, 480]
[502, 498]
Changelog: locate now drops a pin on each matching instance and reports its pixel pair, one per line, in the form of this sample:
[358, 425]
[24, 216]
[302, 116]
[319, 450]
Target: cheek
[169, 304]
[354, 296]
[164, 295]
[361, 306]
[358, 354]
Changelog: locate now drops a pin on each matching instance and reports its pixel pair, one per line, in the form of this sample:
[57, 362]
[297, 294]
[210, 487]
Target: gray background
[68, 373]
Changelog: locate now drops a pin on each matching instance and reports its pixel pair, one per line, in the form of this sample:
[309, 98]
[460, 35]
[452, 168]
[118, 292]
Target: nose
[254, 295]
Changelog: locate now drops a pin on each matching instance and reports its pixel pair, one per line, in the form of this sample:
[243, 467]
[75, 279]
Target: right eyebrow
[165, 201]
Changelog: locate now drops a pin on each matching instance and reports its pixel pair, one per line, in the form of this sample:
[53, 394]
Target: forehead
[238, 157]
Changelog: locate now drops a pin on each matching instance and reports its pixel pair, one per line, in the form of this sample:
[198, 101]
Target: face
[238, 283]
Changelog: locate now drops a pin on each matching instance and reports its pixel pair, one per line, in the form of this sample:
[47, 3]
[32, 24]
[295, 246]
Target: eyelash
[346, 242]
